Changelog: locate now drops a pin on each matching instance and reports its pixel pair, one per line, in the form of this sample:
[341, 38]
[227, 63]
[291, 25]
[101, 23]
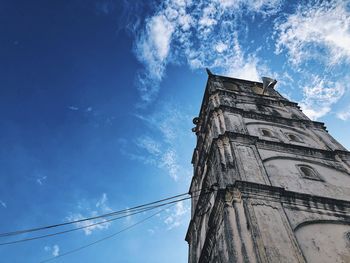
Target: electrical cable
[18, 232]
[74, 229]
[105, 238]
[129, 210]
[94, 224]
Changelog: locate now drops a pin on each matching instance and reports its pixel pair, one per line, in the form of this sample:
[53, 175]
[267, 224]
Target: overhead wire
[105, 238]
[141, 210]
[74, 229]
[127, 212]
[122, 214]
[17, 232]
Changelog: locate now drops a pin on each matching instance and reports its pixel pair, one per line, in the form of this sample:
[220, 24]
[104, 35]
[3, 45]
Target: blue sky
[97, 100]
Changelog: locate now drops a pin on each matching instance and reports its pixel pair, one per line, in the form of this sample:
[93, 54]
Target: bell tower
[269, 184]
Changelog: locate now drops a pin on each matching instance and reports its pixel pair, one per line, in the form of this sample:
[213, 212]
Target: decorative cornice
[261, 98]
[271, 145]
[282, 147]
[261, 116]
[249, 189]
[257, 116]
[209, 92]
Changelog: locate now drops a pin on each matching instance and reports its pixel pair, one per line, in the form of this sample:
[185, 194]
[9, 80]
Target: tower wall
[272, 184]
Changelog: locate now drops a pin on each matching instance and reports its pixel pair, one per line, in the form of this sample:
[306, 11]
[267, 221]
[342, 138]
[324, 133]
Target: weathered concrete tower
[269, 184]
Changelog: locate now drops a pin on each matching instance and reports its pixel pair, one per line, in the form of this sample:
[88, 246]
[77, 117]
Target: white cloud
[229, 3]
[168, 130]
[128, 217]
[100, 207]
[177, 215]
[240, 66]
[344, 114]
[320, 96]
[86, 224]
[73, 108]
[160, 31]
[169, 162]
[169, 125]
[322, 25]
[102, 203]
[265, 7]
[149, 144]
[55, 250]
[40, 180]
[3, 204]
[220, 47]
[160, 153]
[184, 32]
[152, 48]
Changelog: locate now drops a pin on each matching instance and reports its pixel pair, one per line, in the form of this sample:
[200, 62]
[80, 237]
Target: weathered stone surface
[274, 186]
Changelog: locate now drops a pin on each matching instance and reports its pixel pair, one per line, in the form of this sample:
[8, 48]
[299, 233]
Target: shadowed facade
[269, 184]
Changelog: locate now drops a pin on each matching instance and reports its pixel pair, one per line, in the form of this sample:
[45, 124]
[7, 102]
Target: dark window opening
[294, 116]
[309, 173]
[260, 107]
[267, 133]
[275, 113]
[294, 138]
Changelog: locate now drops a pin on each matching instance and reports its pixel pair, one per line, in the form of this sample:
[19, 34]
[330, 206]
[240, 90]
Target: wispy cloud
[150, 145]
[105, 7]
[344, 114]
[55, 250]
[197, 33]
[320, 95]
[97, 118]
[167, 130]
[176, 216]
[73, 108]
[319, 30]
[40, 179]
[88, 210]
[152, 49]
[3, 204]
[170, 163]
[316, 41]
[168, 126]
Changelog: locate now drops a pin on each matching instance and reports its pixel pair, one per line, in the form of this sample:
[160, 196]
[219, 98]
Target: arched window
[294, 138]
[275, 113]
[260, 107]
[294, 116]
[309, 173]
[267, 133]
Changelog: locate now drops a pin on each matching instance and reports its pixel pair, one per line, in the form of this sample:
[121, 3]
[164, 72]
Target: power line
[73, 229]
[127, 212]
[18, 232]
[105, 238]
[145, 209]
